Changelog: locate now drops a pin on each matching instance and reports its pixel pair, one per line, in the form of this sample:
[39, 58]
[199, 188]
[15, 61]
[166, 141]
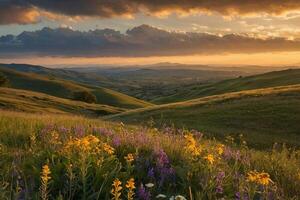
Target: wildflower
[129, 158]
[252, 176]
[264, 178]
[130, 186]
[161, 196]
[108, 149]
[237, 195]
[86, 144]
[45, 177]
[191, 145]
[162, 159]
[116, 141]
[210, 158]
[220, 149]
[259, 178]
[219, 180]
[149, 185]
[116, 190]
[143, 194]
[150, 173]
[79, 131]
[219, 189]
[180, 197]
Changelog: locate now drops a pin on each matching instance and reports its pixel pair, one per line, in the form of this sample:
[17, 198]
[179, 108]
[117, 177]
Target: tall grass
[64, 157]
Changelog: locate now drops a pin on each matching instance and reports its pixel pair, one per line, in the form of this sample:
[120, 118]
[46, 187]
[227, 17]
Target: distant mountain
[56, 86]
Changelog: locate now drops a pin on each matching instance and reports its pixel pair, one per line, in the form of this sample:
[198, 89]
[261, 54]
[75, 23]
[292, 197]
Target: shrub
[3, 79]
[85, 96]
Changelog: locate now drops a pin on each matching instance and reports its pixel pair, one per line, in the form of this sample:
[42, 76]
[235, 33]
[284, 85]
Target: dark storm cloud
[110, 8]
[16, 12]
[139, 41]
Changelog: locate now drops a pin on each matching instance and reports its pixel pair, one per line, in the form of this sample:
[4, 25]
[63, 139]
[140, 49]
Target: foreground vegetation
[62, 157]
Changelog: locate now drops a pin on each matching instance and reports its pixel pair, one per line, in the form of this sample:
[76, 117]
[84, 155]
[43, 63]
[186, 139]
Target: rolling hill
[65, 88]
[155, 81]
[270, 79]
[265, 116]
[35, 102]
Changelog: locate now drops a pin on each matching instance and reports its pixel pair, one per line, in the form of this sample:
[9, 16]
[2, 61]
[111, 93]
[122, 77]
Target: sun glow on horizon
[266, 59]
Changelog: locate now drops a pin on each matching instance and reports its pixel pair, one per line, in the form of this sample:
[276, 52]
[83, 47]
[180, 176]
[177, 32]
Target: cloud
[111, 8]
[140, 41]
[17, 13]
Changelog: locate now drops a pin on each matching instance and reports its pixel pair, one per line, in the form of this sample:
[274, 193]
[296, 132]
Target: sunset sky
[54, 32]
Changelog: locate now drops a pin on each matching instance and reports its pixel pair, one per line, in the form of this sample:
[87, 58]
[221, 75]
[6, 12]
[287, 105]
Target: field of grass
[270, 79]
[63, 157]
[65, 89]
[34, 102]
[264, 116]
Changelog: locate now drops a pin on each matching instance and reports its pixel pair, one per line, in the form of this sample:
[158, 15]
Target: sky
[126, 32]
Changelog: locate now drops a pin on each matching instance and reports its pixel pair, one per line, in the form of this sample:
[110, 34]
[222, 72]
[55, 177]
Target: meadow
[47, 156]
[264, 116]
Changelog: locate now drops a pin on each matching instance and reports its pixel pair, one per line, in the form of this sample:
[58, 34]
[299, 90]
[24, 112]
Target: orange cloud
[18, 15]
[111, 8]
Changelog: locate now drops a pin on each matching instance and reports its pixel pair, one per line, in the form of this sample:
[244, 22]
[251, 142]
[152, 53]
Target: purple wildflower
[47, 129]
[63, 130]
[219, 189]
[150, 173]
[103, 131]
[143, 194]
[237, 196]
[219, 180]
[79, 131]
[116, 141]
[162, 159]
[220, 176]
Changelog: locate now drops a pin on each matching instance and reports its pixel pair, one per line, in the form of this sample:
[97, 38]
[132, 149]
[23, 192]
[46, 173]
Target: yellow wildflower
[259, 178]
[129, 158]
[210, 158]
[45, 177]
[220, 149]
[109, 149]
[54, 136]
[130, 186]
[86, 144]
[252, 176]
[191, 146]
[264, 178]
[116, 190]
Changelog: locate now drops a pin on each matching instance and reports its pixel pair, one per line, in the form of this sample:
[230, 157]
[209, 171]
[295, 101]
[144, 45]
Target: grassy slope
[265, 116]
[271, 79]
[64, 89]
[22, 100]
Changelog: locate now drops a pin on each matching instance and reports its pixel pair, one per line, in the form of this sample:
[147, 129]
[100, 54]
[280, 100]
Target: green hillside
[265, 116]
[65, 89]
[34, 102]
[271, 79]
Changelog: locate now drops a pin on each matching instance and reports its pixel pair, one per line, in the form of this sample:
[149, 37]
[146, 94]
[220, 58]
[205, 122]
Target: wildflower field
[64, 157]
